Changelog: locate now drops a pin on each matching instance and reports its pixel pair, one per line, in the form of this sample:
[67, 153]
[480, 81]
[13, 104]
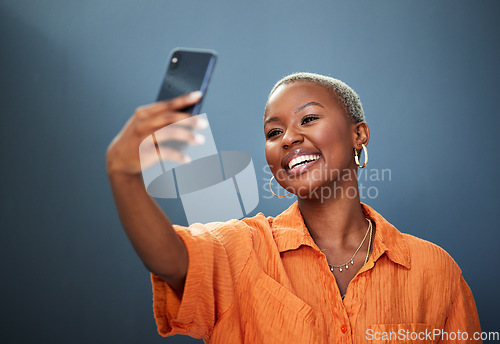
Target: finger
[173, 155]
[150, 157]
[179, 133]
[180, 119]
[201, 122]
[192, 122]
[147, 127]
[183, 101]
[154, 109]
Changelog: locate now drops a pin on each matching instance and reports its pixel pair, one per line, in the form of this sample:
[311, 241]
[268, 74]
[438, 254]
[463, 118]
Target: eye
[272, 133]
[308, 119]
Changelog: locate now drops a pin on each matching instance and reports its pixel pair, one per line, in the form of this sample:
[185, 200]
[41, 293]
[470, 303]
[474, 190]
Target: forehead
[290, 96]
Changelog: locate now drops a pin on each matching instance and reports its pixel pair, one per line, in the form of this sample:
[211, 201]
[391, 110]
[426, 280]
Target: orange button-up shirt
[264, 280]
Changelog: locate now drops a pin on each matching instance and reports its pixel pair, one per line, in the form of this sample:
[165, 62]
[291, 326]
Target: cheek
[335, 143]
[329, 137]
[326, 138]
[270, 156]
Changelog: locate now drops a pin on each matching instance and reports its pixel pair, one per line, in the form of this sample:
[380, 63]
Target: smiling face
[309, 138]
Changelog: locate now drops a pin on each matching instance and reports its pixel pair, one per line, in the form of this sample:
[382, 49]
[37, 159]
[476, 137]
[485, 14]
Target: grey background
[73, 72]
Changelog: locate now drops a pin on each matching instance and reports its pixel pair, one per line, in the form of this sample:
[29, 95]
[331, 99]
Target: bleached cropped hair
[346, 95]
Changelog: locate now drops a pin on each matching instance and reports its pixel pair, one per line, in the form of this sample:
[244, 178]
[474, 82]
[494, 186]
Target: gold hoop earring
[271, 189]
[356, 158]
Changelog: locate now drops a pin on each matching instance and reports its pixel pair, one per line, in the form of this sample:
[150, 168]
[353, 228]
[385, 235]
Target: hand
[122, 156]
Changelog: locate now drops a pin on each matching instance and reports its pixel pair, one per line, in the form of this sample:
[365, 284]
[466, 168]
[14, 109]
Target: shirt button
[343, 328]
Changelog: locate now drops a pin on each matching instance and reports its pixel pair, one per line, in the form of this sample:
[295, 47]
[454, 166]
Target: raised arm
[147, 227]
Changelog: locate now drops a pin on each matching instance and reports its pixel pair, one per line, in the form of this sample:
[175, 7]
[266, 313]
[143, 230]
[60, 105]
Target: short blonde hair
[342, 92]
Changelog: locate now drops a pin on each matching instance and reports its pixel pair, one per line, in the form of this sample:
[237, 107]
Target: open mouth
[301, 160]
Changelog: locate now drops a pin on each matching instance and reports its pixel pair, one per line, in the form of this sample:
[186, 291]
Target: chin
[323, 190]
[307, 190]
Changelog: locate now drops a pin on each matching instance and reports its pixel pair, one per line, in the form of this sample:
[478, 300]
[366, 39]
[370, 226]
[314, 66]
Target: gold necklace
[346, 264]
[368, 252]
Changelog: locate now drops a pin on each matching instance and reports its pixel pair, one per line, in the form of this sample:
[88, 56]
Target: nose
[291, 137]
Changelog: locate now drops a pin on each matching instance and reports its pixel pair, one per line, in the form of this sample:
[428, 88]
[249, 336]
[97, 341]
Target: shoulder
[435, 272]
[428, 257]
[424, 256]
[240, 231]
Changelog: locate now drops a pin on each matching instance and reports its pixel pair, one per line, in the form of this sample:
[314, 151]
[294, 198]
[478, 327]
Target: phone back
[188, 70]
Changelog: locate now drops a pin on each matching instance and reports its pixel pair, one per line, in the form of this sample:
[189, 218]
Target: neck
[334, 222]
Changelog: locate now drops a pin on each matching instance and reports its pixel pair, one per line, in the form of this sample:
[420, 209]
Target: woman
[327, 270]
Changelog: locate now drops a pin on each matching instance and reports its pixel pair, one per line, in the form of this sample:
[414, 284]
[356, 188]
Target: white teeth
[301, 159]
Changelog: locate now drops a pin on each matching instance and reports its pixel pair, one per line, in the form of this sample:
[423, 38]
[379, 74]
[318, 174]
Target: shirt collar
[290, 232]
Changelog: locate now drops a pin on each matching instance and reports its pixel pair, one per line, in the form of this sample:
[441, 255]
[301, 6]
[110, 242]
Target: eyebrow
[269, 120]
[302, 107]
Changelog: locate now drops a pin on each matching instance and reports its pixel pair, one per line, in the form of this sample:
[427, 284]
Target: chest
[381, 292]
[300, 299]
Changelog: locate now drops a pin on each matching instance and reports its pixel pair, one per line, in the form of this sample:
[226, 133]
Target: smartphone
[188, 70]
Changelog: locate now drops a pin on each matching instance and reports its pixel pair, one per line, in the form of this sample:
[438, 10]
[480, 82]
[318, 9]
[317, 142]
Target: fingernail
[195, 95]
[187, 159]
[199, 139]
[202, 123]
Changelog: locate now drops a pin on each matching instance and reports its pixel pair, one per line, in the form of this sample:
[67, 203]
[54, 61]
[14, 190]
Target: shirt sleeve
[462, 322]
[216, 258]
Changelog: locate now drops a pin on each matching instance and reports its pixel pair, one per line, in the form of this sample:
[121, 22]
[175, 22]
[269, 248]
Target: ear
[361, 135]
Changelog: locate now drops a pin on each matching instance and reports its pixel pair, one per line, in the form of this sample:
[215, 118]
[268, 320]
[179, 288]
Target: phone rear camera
[175, 61]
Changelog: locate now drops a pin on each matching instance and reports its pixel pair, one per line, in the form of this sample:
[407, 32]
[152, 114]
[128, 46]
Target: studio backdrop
[72, 73]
